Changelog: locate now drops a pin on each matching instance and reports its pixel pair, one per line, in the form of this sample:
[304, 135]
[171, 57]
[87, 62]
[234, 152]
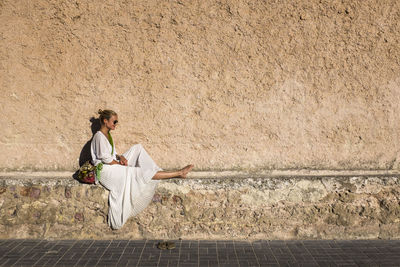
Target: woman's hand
[123, 161]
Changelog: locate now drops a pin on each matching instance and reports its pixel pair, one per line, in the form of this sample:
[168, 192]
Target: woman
[131, 177]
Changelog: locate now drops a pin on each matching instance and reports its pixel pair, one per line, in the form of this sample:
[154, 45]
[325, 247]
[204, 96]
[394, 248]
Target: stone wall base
[55, 206]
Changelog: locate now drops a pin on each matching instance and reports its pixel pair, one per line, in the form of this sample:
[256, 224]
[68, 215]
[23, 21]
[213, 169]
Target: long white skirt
[131, 187]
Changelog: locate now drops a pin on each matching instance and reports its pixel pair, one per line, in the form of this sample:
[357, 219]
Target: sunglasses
[115, 122]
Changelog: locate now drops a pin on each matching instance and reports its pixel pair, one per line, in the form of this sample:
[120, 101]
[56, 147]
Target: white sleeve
[102, 150]
[115, 152]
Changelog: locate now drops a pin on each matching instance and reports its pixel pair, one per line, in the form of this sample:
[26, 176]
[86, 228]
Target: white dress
[131, 187]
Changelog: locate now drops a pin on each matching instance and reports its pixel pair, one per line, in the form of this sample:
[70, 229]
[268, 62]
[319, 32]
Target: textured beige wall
[221, 84]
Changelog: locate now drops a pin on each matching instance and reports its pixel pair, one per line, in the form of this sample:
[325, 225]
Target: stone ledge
[65, 178]
[353, 205]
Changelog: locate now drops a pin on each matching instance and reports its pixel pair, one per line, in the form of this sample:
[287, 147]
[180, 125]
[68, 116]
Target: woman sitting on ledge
[131, 178]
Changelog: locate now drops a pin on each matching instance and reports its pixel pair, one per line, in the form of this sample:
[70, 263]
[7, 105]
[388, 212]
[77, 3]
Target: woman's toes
[186, 170]
[189, 167]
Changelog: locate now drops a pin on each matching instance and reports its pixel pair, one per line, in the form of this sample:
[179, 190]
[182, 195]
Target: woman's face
[112, 122]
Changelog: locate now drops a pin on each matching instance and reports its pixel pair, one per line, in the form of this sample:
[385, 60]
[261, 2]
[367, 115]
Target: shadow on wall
[85, 154]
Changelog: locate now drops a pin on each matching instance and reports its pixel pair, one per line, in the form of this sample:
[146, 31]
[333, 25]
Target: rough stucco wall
[221, 84]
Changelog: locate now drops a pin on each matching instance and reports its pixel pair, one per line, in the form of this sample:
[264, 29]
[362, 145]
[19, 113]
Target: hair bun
[100, 111]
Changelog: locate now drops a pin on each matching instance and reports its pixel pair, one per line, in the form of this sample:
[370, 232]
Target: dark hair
[106, 114]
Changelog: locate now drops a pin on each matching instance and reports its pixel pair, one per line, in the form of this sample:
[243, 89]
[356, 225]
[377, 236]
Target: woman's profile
[131, 177]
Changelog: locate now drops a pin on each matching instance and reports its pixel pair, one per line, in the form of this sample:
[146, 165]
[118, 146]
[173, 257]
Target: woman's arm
[102, 150]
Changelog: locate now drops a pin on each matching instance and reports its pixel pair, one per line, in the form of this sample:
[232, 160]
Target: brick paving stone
[243, 263]
[188, 264]
[212, 263]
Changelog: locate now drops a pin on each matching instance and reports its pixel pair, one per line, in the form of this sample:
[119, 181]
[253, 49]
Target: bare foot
[186, 170]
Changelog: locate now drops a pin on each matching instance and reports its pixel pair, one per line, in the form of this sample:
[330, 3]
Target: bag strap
[111, 142]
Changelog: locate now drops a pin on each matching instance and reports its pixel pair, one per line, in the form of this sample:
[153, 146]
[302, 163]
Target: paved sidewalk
[199, 253]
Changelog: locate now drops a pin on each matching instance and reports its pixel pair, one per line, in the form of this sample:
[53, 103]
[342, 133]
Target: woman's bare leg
[173, 174]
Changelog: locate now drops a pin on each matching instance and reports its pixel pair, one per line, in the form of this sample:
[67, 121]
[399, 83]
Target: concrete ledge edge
[226, 174]
[66, 178]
